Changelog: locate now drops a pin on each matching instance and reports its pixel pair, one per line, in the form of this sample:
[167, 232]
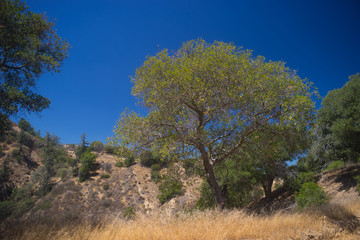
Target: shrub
[62, 173]
[155, 173]
[295, 183]
[169, 188]
[96, 146]
[106, 187]
[105, 176]
[129, 161]
[87, 164]
[148, 158]
[310, 194]
[26, 126]
[120, 164]
[335, 165]
[357, 179]
[129, 213]
[109, 149]
[6, 208]
[23, 207]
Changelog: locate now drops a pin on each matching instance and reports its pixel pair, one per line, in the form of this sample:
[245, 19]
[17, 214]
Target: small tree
[87, 161]
[310, 194]
[206, 101]
[96, 146]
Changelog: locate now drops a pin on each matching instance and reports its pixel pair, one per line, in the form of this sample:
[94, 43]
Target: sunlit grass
[212, 224]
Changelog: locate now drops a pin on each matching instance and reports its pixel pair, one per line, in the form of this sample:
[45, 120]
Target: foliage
[310, 194]
[25, 139]
[106, 187]
[155, 173]
[337, 130]
[103, 176]
[129, 213]
[97, 146]
[87, 164]
[206, 101]
[5, 171]
[109, 149]
[335, 165]
[357, 179]
[119, 164]
[29, 47]
[129, 161]
[82, 148]
[26, 126]
[6, 209]
[294, 183]
[23, 206]
[237, 181]
[170, 187]
[148, 158]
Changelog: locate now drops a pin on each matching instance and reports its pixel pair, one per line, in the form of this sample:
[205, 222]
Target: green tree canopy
[207, 100]
[336, 132]
[29, 47]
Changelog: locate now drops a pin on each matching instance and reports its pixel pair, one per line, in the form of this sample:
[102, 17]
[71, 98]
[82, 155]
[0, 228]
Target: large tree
[207, 100]
[29, 47]
[336, 133]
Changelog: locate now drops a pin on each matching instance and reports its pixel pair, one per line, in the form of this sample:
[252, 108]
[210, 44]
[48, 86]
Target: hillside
[113, 194]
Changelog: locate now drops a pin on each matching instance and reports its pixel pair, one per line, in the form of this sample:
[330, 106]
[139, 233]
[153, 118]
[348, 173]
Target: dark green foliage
[106, 187]
[25, 139]
[109, 149]
[129, 213]
[4, 125]
[83, 146]
[5, 171]
[16, 155]
[104, 176]
[337, 130]
[170, 187]
[129, 161]
[294, 183]
[97, 146]
[26, 126]
[238, 182]
[310, 194]
[6, 208]
[23, 206]
[87, 164]
[149, 158]
[29, 47]
[120, 164]
[155, 172]
[335, 165]
[357, 179]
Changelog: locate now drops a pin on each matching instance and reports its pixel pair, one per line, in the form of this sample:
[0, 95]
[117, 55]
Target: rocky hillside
[109, 191]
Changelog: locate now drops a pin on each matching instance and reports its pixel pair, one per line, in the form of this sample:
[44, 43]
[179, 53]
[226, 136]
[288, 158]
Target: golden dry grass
[210, 224]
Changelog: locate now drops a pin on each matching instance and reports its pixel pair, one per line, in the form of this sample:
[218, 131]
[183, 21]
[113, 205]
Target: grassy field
[328, 222]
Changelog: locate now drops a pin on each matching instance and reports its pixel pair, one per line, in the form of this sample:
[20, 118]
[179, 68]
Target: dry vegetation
[328, 222]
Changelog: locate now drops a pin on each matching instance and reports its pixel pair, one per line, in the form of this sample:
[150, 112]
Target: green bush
[106, 187]
[294, 183]
[357, 179]
[105, 176]
[310, 194]
[129, 161]
[96, 146]
[6, 208]
[129, 213]
[148, 158]
[109, 149]
[120, 164]
[62, 173]
[26, 126]
[170, 187]
[87, 164]
[335, 165]
[24, 206]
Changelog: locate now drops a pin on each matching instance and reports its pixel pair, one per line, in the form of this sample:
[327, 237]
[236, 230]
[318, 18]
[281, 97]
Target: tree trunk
[267, 185]
[210, 177]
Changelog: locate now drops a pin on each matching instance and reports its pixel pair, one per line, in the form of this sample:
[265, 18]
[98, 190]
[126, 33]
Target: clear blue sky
[110, 39]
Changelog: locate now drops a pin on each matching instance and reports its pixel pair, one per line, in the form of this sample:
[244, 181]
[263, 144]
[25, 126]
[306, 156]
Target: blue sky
[110, 39]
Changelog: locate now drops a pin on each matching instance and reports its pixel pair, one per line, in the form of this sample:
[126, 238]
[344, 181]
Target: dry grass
[317, 224]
